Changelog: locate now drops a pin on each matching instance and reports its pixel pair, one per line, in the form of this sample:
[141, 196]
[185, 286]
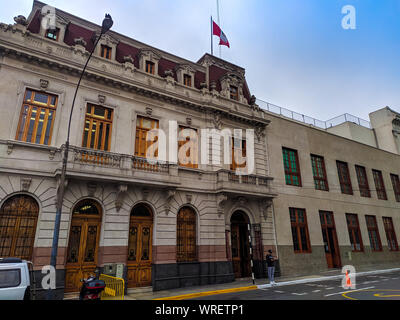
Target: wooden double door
[18, 221]
[329, 236]
[140, 247]
[83, 244]
[240, 245]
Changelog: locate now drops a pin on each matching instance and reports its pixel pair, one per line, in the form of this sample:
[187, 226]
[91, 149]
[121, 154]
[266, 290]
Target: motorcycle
[91, 288]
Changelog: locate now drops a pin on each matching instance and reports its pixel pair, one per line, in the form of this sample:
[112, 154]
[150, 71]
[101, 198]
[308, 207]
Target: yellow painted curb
[207, 293]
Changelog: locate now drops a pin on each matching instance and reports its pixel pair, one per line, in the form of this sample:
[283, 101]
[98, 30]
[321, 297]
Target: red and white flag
[223, 40]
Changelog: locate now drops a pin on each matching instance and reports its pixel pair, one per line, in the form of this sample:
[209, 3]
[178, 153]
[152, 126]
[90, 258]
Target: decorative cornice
[123, 85]
[185, 67]
[149, 52]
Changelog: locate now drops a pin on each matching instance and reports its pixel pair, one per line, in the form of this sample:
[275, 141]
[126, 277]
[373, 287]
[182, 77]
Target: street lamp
[106, 26]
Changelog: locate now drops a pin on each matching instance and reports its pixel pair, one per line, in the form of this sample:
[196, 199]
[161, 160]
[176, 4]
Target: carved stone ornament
[25, 184]
[128, 59]
[80, 42]
[44, 84]
[265, 204]
[145, 193]
[129, 63]
[52, 154]
[21, 20]
[253, 100]
[217, 120]
[121, 192]
[149, 111]
[169, 73]
[213, 85]
[188, 120]
[221, 201]
[91, 188]
[170, 195]
[203, 85]
[241, 200]
[10, 148]
[102, 99]
[260, 132]
[189, 198]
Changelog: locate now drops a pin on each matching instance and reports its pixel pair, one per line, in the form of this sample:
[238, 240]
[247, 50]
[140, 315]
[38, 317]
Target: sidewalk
[243, 285]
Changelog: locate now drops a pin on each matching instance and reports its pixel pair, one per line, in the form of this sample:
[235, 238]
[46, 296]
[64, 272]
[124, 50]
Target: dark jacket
[270, 260]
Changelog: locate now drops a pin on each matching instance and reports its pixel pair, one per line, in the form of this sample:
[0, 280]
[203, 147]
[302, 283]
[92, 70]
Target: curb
[208, 293]
[264, 286]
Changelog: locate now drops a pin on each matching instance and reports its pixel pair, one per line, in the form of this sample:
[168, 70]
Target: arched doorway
[140, 246]
[240, 245]
[18, 220]
[83, 243]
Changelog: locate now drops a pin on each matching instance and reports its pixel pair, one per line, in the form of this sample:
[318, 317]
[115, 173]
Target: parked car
[17, 280]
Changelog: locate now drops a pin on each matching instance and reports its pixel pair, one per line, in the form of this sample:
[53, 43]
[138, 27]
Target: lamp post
[106, 26]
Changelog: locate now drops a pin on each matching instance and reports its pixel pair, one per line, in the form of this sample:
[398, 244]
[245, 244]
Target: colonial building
[319, 197]
[170, 224]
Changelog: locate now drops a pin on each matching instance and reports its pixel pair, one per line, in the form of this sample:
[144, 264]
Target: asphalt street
[368, 287]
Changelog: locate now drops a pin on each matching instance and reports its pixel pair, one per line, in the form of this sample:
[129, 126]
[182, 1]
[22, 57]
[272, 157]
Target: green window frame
[292, 167]
[319, 173]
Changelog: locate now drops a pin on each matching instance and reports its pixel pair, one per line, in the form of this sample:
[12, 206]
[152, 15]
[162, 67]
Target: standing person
[271, 267]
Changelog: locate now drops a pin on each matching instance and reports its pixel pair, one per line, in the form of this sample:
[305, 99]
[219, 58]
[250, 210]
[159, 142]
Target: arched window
[18, 220]
[186, 236]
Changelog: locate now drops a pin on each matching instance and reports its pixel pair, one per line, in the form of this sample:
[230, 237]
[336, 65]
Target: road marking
[326, 278]
[330, 288]
[332, 294]
[207, 293]
[279, 291]
[317, 291]
[300, 294]
[380, 295]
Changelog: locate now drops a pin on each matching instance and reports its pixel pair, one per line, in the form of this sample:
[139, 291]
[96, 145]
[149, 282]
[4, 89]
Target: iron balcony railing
[312, 121]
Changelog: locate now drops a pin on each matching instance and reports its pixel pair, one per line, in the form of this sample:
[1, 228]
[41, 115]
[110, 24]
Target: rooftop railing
[312, 121]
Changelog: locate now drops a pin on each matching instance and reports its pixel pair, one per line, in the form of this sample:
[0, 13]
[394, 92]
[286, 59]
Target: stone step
[139, 290]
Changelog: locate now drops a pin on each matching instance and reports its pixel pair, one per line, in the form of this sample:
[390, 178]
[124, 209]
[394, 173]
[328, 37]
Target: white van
[16, 279]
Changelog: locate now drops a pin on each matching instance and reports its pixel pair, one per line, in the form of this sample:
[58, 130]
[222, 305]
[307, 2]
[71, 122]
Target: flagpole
[219, 23]
[212, 50]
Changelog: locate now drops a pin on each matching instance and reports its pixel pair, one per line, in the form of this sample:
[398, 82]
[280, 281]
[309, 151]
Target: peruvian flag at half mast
[223, 40]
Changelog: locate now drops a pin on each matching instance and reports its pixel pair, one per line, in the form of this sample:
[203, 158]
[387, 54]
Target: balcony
[97, 164]
[89, 164]
[251, 185]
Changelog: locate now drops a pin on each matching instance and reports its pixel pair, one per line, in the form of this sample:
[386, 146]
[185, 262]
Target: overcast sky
[295, 52]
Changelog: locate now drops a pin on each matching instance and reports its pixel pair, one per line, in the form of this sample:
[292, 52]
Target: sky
[295, 52]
